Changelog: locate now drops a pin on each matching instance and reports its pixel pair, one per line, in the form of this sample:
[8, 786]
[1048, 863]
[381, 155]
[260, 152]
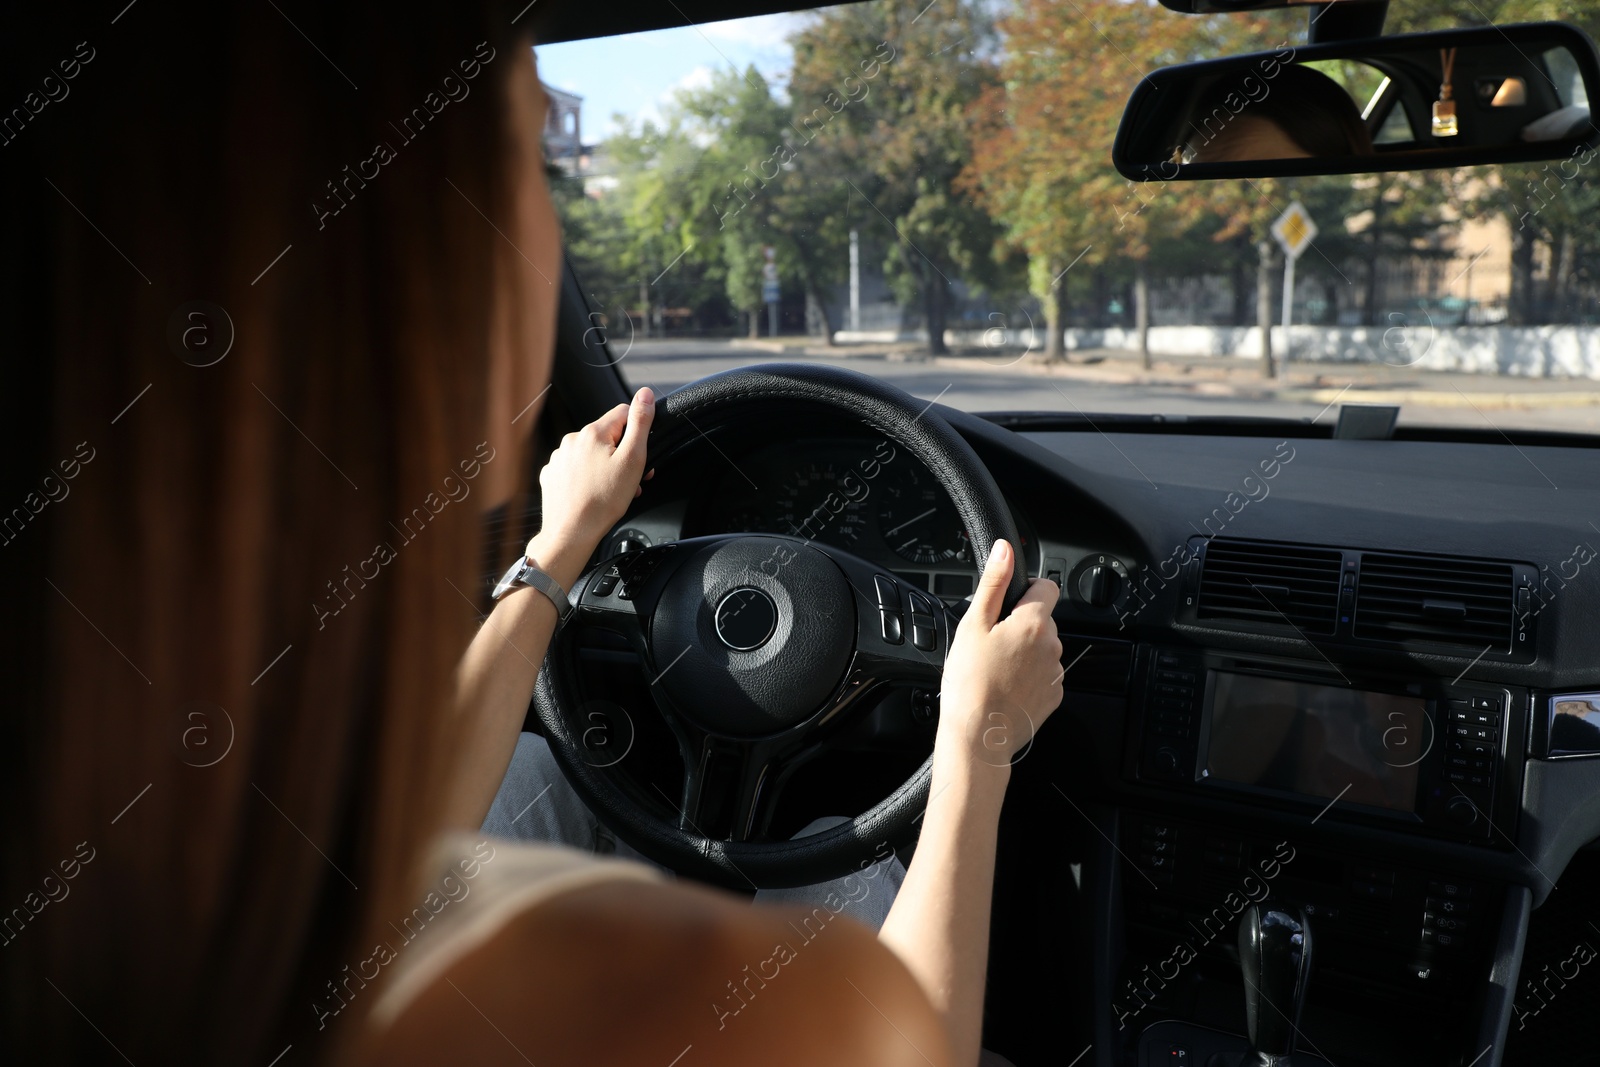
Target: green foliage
[977, 150]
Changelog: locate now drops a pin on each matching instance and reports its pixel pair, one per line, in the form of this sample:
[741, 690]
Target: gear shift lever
[1275, 953]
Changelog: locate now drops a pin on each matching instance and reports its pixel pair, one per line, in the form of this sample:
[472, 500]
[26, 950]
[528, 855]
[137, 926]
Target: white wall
[1528, 351]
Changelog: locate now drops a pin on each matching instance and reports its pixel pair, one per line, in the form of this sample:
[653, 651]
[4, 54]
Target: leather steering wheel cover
[905, 422]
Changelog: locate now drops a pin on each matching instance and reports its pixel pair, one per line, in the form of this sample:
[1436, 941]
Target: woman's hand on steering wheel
[1002, 678]
[592, 477]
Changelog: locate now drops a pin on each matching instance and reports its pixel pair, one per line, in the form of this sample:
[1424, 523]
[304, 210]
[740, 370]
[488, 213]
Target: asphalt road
[1002, 382]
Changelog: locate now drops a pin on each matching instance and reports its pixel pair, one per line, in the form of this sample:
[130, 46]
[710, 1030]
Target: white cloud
[760, 31]
[698, 78]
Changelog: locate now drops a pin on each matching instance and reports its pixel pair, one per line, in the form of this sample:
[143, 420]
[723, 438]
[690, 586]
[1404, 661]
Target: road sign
[1294, 230]
[769, 292]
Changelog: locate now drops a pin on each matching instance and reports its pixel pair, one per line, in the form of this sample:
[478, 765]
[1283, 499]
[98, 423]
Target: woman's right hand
[1002, 679]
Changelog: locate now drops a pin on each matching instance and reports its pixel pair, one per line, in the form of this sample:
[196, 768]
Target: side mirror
[1453, 98]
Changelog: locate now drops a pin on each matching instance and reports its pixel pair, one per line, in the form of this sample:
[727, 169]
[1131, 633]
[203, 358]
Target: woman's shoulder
[480, 886]
[584, 960]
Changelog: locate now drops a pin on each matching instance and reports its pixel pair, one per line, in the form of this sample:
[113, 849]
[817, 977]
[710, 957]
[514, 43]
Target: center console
[1293, 784]
[1425, 757]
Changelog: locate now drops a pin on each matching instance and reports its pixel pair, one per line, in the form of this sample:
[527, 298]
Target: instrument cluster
[866, 497]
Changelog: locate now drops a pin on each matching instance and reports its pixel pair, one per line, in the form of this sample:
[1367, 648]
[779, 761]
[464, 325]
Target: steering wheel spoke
[902, 632]
[730, 788]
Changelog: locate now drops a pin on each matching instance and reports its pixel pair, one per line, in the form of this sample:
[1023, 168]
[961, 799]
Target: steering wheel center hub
[745, 618]
[752, 635]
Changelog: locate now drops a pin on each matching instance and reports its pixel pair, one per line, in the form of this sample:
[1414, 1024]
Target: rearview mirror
[1454, 98]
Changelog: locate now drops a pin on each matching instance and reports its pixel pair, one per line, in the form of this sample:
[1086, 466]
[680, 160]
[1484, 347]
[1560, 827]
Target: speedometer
[918, 520]
[814, 502]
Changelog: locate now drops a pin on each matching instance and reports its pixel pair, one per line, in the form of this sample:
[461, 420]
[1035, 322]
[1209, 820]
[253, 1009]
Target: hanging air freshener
[1444, 108]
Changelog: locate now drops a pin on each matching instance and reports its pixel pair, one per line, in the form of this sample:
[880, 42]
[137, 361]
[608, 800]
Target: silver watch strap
[523, 572]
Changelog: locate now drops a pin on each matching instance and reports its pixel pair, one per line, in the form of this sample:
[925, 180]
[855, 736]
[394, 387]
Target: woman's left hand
[593, 476]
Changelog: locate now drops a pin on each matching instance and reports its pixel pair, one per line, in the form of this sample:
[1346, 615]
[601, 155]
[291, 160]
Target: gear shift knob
[1275, 953]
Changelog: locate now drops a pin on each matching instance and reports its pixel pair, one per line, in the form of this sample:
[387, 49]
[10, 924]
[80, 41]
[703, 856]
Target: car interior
[1325, 783]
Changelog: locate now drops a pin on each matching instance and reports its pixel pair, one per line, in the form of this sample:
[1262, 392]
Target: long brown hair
[259, 361]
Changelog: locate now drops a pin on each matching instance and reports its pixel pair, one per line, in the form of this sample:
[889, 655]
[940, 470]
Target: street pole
[855, 280]
[1288, 302]
[1264, 306]
[772, 318]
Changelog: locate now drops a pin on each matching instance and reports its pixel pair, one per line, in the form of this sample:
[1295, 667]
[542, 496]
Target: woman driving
[263, 746]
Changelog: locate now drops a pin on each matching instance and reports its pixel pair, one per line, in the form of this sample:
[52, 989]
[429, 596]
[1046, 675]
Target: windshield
[923, 192]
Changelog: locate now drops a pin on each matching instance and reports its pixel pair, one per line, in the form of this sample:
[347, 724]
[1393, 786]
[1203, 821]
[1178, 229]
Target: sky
[636, 73]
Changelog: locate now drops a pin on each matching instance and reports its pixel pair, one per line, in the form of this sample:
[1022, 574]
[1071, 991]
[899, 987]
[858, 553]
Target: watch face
[512, 579]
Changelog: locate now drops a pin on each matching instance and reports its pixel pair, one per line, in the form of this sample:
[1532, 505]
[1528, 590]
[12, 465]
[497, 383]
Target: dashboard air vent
[1270, 583]
[1438, 599]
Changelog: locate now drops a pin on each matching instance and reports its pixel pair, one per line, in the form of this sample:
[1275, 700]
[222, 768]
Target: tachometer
[918, 520]
[817, 503]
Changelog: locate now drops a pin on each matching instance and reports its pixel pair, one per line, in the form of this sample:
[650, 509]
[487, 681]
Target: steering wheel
[758, 646]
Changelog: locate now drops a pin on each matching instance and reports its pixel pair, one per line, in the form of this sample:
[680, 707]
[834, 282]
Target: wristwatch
[523, 572]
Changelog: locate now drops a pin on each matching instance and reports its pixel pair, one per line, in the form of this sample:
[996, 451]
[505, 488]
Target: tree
[662, 200]
[881, 95]
[743, 128]
[1041, 162]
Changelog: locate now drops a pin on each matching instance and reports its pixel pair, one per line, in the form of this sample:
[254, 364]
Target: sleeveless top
[483, 883]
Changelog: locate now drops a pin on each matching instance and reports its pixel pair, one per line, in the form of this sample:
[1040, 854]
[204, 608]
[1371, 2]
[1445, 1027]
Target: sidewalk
[1240, 377]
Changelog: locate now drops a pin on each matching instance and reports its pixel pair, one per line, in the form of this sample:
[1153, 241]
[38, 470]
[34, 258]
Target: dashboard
[1377, 657]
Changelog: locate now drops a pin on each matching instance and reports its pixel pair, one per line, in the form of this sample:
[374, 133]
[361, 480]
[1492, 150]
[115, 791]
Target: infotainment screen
[1320, 740]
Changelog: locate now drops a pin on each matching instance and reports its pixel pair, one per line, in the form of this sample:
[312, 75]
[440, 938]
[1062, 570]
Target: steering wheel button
[923, 635]
[890, 621]
[607, 581]
[888, 593]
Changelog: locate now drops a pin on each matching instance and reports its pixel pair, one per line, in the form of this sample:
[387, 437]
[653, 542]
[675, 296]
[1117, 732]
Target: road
[1113, 382]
